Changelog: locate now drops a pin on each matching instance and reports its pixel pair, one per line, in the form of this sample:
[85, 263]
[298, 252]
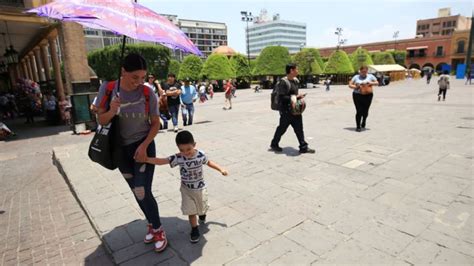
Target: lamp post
[247, 17]
[11, 54]
[338, 32]
[395, 36]
[341, 43]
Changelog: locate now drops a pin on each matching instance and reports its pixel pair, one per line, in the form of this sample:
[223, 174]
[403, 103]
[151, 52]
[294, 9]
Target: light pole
[338, 32]
[342, 42]
[247, 17]
[395, 36]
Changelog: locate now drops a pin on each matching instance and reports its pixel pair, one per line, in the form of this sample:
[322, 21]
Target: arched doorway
[439, 67]
[428, 67]
[415, 66]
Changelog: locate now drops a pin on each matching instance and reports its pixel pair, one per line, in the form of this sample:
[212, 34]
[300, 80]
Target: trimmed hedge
[383, 58]
[241, 66]
[399, 56]
[217, 67]
[272, 61]
[339, 63]
[190, 68]
[106, 62]
[307, 62]
[360, 57]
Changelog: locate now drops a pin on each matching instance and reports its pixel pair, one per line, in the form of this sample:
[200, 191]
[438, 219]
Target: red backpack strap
[109, 89]
[146, 93]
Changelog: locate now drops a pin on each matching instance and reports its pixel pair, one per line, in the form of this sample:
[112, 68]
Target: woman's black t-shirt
[172, 100]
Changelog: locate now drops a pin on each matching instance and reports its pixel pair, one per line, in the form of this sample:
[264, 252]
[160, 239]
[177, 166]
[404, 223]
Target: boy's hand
[224, 172]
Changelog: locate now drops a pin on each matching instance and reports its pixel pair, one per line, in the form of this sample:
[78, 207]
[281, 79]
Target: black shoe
[202, 219]
[362, 125]
[307, 150]
[358, 129]
[195, 235]
[276, 148]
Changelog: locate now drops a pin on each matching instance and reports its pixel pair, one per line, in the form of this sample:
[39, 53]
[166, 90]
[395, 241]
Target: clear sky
[362, 21]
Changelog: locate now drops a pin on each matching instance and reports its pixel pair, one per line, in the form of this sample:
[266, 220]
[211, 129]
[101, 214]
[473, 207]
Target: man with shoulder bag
[290, 106]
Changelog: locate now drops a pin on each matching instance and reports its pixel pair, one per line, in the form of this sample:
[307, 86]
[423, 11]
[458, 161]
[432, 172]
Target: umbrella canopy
[120, 16]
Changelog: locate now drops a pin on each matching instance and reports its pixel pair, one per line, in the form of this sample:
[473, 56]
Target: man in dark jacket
[287, 87]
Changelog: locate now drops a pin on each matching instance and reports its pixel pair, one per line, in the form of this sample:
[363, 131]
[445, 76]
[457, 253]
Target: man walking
[287, 87]
[188, 96]
[172, 91]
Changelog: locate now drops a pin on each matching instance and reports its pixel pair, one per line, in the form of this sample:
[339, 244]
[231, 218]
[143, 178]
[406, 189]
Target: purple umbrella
[120, 16]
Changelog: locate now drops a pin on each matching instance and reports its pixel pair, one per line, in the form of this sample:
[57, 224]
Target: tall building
[444, 24]
[273, 32]
[206, 35]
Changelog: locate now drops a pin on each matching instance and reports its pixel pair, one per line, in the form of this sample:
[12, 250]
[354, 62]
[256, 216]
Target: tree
[307, 63]
[190, 68]
[360, 57]
[106, 62]
[174, 67]
[272, 61]
[399, 56]
[383, 58]
[241, 66]
[217, 67]
[317, 56]
[243, 73]
[339, 63]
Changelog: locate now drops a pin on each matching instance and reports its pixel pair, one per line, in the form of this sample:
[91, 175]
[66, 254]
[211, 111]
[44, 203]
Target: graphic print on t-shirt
[190, 169]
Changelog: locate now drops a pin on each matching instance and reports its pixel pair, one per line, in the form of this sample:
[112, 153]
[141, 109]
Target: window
[421, 53]
[439, 51]
[411, 53]
[461, 45]
[454, 23]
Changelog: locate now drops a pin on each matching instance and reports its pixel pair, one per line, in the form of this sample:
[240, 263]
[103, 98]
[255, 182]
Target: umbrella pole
[122, 53]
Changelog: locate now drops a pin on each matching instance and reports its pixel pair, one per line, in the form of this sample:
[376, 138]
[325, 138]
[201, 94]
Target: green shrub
[217, 67]
[272, 61]
[339, 63]
[190, 68]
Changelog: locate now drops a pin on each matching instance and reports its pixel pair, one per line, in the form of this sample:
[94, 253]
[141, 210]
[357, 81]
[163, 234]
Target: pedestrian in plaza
[362, 95]
[228, 95]
[287, 88]
[50, 108]
[193, 187]
[172, 90]
[137, 107]
[211, 89]
[429, 74]
[188, 96]
[468, 76]
[153, 83]
[443, 83]
[202, 92]
[327, 82]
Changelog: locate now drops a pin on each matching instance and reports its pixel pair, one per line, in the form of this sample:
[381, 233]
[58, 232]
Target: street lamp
[342, 42]
[11, 55]
[247, 17]
[395, 36]
[338, 32]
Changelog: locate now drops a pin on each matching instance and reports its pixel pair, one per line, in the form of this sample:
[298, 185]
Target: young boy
[193, 188]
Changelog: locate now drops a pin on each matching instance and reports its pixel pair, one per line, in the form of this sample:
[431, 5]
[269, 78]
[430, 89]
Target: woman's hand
[140, 154]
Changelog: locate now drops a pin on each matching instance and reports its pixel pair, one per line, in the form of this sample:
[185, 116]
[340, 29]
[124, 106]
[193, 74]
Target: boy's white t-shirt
[191, 169]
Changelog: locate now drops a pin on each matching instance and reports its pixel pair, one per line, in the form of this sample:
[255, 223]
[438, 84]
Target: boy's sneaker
[175, 129]
[195, 235]
[202, 219]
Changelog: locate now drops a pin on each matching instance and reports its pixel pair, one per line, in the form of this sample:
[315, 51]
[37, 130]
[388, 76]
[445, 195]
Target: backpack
[275, 96]
[443, 82]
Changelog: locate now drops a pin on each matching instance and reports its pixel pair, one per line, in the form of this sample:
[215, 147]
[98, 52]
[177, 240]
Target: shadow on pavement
[39, 129]
[125, 243]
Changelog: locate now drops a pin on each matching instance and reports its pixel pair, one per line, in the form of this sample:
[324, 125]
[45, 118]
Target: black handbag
[104, 148]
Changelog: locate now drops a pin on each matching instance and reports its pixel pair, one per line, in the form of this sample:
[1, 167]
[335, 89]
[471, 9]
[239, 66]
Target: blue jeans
[165, 121]
[174, 111]
[188, 113]
[139, 177]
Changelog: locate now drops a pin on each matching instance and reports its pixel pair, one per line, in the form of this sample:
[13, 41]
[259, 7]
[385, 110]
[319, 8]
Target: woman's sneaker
[195, 235]
[149, 235]
[160, 240]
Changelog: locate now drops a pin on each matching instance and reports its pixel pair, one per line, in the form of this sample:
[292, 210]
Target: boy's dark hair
[133, 62]
[184, 137]
[171, 75]
[289, 67]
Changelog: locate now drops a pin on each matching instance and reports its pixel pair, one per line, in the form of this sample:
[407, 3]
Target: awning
[386, 68]
[417, 48]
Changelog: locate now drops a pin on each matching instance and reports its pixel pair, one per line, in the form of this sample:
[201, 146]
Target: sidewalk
[398, 193]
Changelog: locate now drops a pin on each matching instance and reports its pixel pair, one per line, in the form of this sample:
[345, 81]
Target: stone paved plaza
[399, 193]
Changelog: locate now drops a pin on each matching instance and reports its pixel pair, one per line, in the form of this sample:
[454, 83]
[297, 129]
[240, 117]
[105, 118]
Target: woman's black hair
[363, 67]
[133, 62]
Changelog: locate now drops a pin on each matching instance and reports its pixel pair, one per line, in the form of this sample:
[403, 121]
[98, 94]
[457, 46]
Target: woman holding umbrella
[139, 122]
